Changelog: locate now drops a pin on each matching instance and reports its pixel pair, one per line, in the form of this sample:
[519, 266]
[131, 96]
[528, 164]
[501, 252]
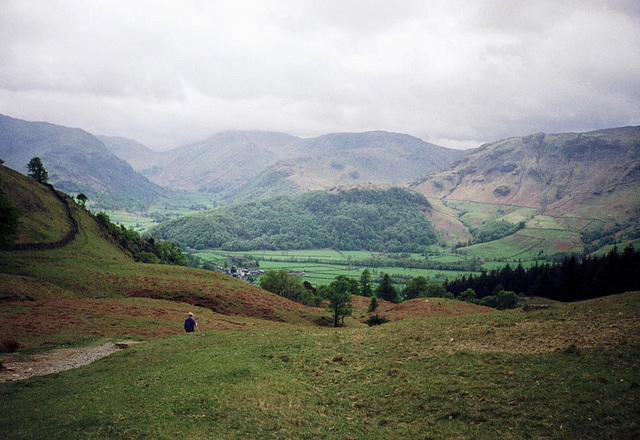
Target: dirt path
[23, 367]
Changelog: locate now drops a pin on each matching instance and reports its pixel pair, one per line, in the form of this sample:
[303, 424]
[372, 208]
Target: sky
[457, 73]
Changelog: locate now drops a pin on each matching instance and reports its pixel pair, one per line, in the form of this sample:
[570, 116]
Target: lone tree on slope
[37, 171]
[82, 199]
[339, 295]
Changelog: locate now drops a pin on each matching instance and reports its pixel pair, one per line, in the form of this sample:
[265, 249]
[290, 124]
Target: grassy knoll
[571, 371]
[43, 217]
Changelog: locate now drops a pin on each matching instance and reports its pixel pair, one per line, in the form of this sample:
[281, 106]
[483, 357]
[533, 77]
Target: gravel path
[23, 367]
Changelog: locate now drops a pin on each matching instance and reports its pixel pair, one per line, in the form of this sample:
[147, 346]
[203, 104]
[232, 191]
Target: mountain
[543, 171]
[76, 161]
[223, 161]
[585, 181]
[350, 159]
[139, 156]
[243, 165]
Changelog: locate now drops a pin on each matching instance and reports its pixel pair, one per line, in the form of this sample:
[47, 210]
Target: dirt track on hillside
[24, 367]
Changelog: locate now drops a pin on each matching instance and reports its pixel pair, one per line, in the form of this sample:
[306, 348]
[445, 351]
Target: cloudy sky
[456, 73]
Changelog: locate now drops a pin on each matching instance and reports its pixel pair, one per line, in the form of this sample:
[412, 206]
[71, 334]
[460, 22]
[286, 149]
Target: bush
[8, 345]
[376, 320]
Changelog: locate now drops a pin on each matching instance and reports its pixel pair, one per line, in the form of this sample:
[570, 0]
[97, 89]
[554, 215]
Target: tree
[365, 283]
[415, 288]
[468, 295]
[339, 295]
[37, 171]
[386, 290]
[373, 304]
[282, 283]
[82, 199]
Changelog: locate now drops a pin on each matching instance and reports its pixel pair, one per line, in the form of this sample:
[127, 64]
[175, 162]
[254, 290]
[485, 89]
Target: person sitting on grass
[190, 324]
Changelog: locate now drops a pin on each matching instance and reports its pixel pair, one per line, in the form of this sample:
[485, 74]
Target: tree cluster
[282, 283]
[570, 280]
[389, 220]
[146, 250]
[495, 230]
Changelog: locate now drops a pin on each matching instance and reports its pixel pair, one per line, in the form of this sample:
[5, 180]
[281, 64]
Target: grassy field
[571, 371]
[475, 213]
[526, 244]
[322, 266]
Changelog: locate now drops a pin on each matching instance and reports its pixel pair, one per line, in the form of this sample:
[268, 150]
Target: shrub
[8, 345]
[376, 320]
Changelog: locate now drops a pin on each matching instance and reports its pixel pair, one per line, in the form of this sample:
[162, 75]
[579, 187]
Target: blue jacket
[190, 324]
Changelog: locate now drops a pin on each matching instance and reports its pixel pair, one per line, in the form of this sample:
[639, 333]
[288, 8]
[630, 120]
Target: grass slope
[570, 371]
[91, 267]
[43, 217]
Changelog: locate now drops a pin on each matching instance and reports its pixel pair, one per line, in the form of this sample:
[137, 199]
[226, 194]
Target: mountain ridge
[76, 161]
[228, 162]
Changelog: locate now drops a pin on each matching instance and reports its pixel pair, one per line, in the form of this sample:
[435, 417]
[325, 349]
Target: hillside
[570, 371]
[551, 172]
[139, 156]
[247, 165]
[220, 162]
[584, 183]
[391, 220]
[348, 159]
[76, 161]
[93, 268]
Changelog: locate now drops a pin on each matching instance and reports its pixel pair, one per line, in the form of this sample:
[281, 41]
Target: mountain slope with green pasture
[588, 182]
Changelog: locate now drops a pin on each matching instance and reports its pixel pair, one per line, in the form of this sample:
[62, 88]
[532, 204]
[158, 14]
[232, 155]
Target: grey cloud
[167, 73]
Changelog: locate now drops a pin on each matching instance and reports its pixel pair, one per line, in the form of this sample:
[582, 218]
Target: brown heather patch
[432, 308]
[50, 322]
[416, 308]
[250, 302]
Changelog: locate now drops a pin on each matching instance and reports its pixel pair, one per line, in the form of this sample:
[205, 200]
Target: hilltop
[76, 161]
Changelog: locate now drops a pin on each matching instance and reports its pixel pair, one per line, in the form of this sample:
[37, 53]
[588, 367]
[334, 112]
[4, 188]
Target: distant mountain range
[244, 165]
[76, 162]
[585, 176]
